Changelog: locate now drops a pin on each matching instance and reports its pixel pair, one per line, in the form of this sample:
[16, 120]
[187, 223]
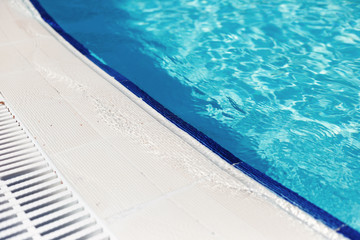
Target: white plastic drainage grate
[34, 201]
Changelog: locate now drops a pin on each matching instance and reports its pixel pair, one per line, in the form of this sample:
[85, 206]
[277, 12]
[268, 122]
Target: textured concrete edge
[255, 186]
[60, 175]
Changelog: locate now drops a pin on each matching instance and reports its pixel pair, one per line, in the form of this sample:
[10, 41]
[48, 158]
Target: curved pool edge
[276, 187]
[177, 132]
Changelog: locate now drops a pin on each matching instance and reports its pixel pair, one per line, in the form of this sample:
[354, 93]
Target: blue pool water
[277, 83]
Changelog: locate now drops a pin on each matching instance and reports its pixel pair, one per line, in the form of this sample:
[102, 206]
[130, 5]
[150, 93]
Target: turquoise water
[277, 83]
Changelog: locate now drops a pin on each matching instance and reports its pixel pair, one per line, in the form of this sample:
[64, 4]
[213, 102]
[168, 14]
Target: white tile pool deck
[141, 175]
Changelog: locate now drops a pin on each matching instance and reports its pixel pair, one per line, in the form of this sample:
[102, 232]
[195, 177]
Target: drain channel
[34, 202]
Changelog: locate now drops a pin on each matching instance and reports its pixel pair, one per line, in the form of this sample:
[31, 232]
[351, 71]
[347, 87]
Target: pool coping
[280, 190]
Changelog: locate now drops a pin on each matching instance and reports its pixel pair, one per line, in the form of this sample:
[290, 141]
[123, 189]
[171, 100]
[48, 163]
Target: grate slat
[19, 142]
[13, 139]
[10, 135]
[52, 208]
[20, 171]
[55, 215]
[101, 236]
[35, 203]
[37, 188]
[9, 223]
[6, 117]
[49, 228]
[32, 181]
[28, 176]
[19, 153]
[19, 158]
[22, 163]
[23, 235]
[89, 232]
[5, 131]
[13, 149]
[12, 231]
[5, 207]
[71, 229]
[10, 125]
[49, 196]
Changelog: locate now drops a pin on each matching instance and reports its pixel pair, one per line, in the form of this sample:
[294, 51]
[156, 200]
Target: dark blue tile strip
[260, 177]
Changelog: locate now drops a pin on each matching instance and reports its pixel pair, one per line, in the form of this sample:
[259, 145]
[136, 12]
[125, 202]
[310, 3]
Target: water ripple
[284, 74]
[275, 82]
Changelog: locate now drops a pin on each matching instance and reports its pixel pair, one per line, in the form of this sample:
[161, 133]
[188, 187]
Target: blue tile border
[260, 177]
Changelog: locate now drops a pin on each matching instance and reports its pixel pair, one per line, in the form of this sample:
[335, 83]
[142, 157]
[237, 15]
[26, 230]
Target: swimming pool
[275, 84]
